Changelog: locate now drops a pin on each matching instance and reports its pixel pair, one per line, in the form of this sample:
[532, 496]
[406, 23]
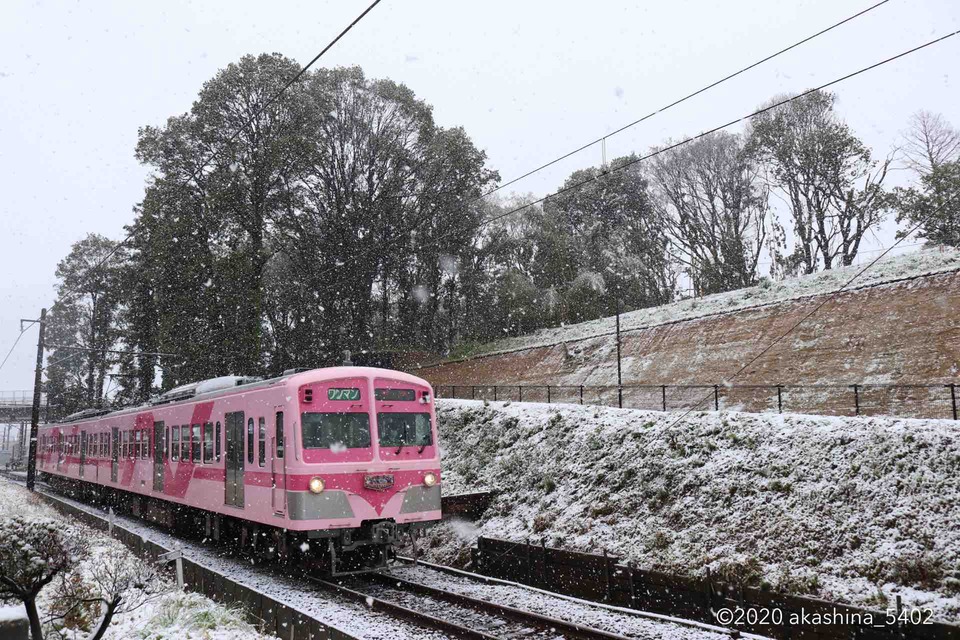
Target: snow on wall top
[927, 261]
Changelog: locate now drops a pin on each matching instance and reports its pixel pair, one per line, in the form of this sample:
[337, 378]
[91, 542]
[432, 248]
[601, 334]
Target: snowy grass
[849, 509]
[926, 261]
[192, 615]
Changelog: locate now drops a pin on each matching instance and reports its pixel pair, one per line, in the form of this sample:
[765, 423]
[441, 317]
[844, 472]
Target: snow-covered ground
[927, 261]
[174, 615]
[350, 617]
[849, 509]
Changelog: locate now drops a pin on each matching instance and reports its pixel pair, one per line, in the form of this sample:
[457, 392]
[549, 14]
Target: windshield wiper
[423, 446]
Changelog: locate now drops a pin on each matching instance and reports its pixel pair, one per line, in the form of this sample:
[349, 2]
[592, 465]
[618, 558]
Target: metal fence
[19, 398]
[904, 401]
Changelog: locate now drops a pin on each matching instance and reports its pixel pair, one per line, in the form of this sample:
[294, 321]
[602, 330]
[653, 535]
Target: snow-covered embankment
[848, 509]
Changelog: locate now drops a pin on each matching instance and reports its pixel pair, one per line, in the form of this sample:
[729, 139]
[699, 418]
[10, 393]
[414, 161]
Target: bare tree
[930, 142]
[115, 582]
[716, 207]
[826, 175]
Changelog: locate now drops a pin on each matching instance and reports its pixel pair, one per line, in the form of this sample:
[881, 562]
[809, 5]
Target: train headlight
[316, 485]
[430, 479]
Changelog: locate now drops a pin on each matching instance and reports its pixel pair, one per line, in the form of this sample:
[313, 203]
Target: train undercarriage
[330, 552]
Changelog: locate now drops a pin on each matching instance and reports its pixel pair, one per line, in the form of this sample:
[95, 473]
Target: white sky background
[529, 81]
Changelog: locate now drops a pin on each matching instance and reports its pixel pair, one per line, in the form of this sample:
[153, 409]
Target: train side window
[279, 434]
[207, 443]
[250, 441]
[123, 444]
[166, 443]
[262, 445]
[195, 443]
[175, 444]
[147, 441]
[185, 443]
[217, 441]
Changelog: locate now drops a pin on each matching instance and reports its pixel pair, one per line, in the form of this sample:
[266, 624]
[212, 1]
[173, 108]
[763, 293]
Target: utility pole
[35, 415]
[619, 369]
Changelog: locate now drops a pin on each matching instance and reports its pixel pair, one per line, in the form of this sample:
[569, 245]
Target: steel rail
[639, 613]
[411, 615]
[564, 626]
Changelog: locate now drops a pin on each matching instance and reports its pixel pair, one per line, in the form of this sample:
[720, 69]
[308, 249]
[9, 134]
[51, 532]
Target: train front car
[365, 474]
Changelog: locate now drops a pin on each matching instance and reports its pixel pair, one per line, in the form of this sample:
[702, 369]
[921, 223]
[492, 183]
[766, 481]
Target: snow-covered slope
[927, 261]
[852, 509]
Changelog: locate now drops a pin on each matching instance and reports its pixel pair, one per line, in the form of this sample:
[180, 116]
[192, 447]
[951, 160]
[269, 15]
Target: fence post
[709, 582]
[663, 394]
[546, 566]
[716, 397]
[473, 392]
[779, 398]
[453, 392]
[494, 393]
[548, 394]
[606, 574]
[529, 563]
[953, 399]
[581, 395]
[856, 399]
[520, 387]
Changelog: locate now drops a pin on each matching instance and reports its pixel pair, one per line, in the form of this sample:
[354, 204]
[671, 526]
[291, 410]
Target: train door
[114, 453]
[83, 451]
[278, 466]
[158, 440]
[233, 476]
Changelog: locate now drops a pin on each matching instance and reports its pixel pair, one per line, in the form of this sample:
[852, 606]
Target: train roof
[221, 386]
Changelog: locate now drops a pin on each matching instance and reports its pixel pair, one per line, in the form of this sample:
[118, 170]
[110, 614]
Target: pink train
[340, 464]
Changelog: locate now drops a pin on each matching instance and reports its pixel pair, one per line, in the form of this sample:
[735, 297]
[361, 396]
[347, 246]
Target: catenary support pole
[619, 369]
[35, 414]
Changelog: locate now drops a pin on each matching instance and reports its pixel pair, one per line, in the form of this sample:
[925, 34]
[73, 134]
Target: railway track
[462, 615]
[454, 613]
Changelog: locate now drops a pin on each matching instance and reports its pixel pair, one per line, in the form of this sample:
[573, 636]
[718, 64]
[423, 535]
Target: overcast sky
[528, 81]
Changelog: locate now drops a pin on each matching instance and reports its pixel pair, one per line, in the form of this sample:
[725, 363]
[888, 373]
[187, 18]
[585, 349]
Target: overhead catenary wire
[666, 107]
[414, 227]
[624, 165]
[14, 346]
[684, 98]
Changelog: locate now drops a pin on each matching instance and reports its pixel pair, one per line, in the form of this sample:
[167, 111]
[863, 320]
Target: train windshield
[336, 431]
[401, 429]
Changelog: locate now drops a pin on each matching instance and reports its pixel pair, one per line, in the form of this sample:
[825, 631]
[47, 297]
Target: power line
[817, 308]
[662, 150]
[541, 167]
[354, 259]
[685, 98]
[7, 357]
